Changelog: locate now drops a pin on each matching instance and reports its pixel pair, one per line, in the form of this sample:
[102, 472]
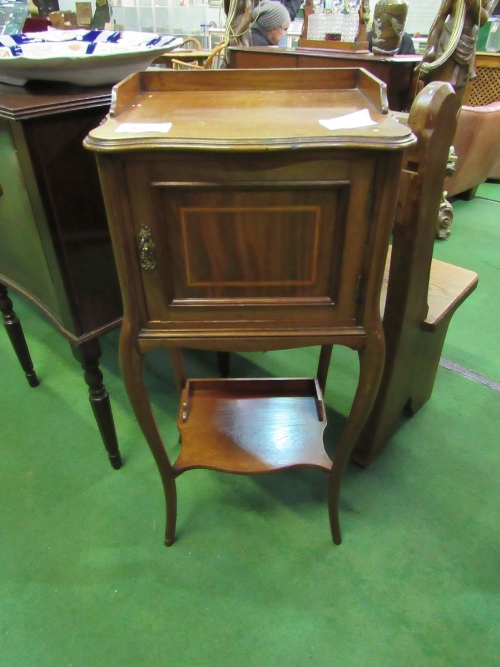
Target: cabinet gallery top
[250, 110]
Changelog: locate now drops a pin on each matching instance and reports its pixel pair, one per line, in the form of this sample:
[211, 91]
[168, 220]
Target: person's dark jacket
[259, 37]
[293, 7]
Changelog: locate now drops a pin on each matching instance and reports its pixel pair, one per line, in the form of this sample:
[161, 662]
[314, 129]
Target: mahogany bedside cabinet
[250, 210]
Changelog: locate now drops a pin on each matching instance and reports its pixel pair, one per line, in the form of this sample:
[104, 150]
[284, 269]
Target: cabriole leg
[371, 361]
[132, 367]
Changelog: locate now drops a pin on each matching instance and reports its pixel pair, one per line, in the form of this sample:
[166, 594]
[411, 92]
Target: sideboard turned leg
[224, 363]
[88, 355]
[16, 336]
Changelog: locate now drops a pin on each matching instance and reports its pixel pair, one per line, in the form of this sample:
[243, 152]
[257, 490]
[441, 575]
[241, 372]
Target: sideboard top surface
[331, 52]
[42, 98]
[247, 110]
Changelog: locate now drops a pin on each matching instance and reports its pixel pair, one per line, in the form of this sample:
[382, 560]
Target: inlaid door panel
[274, 246]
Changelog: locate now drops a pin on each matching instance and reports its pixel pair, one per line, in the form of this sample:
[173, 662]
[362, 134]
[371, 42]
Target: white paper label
[350, 121]
[162, 128]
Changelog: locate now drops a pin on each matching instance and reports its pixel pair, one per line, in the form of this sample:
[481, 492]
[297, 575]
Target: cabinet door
[282, 245]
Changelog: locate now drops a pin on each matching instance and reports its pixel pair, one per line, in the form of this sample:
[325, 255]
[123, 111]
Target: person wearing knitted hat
[270, 21]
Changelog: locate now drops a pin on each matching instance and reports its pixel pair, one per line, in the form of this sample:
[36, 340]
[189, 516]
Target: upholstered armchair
[477, 147]
[495, 172]
[477, 140]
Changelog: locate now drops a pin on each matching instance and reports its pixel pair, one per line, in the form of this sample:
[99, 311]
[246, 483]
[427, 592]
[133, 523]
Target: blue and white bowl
[82, 57]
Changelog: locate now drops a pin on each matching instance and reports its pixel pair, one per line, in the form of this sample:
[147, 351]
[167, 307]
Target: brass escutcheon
[146, 249]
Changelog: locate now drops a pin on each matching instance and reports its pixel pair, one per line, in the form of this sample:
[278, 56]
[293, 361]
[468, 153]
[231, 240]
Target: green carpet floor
[254, 579]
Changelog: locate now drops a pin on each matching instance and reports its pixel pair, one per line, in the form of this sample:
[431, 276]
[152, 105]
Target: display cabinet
[173, 17]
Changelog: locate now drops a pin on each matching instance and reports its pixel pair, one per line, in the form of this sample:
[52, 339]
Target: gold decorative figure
[452, 39]
[239, 16]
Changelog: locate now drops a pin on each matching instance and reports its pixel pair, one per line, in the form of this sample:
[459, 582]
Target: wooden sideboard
[397, 72]
[55, 248]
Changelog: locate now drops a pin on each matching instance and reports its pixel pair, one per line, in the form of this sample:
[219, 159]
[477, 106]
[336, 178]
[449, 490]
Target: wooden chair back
[216, 57]
[420, 294]
[183, 64]
[191, 43]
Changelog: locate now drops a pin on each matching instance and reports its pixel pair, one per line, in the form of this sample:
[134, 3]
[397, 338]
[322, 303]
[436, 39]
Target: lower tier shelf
[251, 426]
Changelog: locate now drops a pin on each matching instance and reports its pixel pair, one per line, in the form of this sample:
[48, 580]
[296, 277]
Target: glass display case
[177, 17]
